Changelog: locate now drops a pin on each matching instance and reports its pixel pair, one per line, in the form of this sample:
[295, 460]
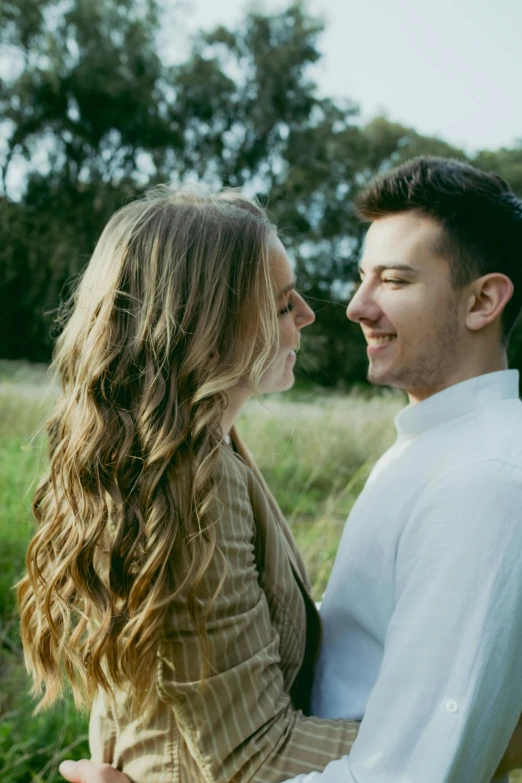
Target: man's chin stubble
[394, 380]
[379, 379]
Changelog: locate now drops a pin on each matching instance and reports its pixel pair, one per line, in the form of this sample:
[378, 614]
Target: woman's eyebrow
[287, 288]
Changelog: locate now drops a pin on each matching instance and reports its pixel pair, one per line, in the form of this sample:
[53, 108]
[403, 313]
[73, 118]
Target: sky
[450, 68]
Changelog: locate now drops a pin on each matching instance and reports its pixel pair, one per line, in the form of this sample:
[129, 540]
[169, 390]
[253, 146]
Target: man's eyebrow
[286, 289]
[390, 265]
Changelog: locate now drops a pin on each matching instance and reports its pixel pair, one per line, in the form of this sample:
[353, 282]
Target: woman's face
[293, 315]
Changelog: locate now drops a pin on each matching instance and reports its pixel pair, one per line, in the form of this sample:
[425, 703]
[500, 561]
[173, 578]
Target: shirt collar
[455, 401]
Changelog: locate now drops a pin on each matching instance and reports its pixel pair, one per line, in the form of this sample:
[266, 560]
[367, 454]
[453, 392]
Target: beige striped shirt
[243, 724]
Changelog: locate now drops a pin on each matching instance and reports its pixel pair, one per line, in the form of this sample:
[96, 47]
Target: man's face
[410, 314]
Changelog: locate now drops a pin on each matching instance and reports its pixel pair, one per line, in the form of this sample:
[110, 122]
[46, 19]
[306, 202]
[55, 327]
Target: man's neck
[465, 373]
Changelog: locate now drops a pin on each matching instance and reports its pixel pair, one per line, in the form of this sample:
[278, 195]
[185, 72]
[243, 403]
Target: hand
[512, 758]
[88, 772]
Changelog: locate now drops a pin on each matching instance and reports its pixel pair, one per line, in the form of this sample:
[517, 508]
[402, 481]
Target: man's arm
[449, 691]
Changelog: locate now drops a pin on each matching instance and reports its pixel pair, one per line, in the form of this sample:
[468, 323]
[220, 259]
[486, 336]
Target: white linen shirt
[423, 612]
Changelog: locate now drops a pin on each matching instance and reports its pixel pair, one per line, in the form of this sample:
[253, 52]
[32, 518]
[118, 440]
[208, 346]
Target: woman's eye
[394, 280]
[287, 309]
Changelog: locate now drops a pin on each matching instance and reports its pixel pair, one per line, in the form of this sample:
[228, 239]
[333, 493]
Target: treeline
[88, 104]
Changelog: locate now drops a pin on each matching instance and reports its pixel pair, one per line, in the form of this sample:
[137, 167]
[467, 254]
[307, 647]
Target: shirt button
[452, 706]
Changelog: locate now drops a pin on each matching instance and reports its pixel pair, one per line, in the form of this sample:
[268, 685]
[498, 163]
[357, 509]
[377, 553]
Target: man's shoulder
[483, 471]
[493, 439]
[508, 409]
[486, 441]
[481, 488]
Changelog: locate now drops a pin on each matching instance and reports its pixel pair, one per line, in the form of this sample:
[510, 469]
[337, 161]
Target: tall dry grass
[316, 452]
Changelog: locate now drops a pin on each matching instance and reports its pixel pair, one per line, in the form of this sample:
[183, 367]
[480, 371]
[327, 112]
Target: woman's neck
[236, 397]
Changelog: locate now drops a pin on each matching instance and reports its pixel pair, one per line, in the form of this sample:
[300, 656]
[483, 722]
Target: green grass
[315, 451]
[31, 748]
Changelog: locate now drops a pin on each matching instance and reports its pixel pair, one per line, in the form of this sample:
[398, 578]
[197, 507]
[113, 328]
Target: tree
[87, 92]
[97, 116]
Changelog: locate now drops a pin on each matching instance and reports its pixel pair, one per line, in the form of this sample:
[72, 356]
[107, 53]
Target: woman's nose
[304, 314]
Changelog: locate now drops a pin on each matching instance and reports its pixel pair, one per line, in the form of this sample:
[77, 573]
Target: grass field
[315, 452]
[30, 748]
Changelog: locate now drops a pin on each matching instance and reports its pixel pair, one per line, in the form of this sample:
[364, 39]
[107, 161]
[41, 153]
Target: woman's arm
[85, 771]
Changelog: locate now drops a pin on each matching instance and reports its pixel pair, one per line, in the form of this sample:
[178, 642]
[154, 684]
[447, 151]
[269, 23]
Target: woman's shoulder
[237, 465]
[231, 465]
[238, 475]
[234, 475]
[234, 508]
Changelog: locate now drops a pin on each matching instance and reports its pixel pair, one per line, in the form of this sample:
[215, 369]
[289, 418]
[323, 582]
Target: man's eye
[394, 280]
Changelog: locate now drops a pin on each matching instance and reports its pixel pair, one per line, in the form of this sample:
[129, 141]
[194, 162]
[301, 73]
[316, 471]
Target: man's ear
[487, 299]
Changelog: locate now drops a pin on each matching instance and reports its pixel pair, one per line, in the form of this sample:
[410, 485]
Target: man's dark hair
[480, 215]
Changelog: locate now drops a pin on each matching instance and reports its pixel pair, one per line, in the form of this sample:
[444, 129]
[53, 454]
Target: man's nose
[362, 306]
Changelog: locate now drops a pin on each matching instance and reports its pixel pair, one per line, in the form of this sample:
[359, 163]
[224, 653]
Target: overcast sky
[451, 68]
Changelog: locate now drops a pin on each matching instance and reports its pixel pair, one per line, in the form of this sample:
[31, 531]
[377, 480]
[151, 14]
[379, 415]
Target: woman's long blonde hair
[175, 307]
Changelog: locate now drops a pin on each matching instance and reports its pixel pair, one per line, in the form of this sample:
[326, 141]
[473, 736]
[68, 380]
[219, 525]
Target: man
[423, 611]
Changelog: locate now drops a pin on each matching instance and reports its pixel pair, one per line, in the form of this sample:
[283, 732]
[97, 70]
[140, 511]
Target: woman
[162, 582]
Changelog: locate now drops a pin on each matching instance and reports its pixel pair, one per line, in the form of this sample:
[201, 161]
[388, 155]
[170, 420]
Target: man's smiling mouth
[384, 338]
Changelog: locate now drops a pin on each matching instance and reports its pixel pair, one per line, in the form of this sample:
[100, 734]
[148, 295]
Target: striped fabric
[242, 725]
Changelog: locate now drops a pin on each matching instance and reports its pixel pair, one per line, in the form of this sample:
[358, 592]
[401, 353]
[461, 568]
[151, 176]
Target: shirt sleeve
[449, 691]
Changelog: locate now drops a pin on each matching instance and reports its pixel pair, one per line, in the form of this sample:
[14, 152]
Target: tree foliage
[93, 115]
